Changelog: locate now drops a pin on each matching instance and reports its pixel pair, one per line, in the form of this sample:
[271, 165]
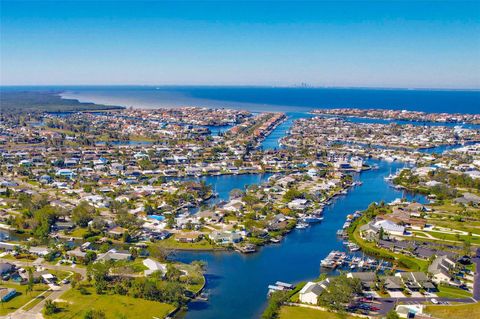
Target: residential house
[311, 291]
[440, 269]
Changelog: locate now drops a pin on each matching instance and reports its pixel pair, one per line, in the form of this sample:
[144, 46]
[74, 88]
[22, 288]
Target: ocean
[259, 99]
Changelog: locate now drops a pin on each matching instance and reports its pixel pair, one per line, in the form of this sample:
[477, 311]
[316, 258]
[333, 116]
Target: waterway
[237, 284]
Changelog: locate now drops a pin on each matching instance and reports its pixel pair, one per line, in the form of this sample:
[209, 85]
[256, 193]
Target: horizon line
[244, 86]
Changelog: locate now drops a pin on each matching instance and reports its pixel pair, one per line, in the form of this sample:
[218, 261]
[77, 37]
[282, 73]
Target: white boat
[302, 225]
[312, 219]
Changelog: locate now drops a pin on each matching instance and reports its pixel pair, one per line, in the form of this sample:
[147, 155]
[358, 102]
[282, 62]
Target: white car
[434, 301]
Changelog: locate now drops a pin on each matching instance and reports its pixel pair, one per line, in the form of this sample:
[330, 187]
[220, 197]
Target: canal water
[237, 284]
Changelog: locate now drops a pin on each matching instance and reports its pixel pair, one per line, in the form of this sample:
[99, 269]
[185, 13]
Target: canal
[237, 284]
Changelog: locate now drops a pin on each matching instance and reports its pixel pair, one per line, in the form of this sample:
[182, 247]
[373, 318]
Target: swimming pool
[156, 217]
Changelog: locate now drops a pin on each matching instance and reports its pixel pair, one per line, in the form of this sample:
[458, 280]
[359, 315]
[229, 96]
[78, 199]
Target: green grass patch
[463, 311]
[78, 232]
[452, 292]
[21, 298]
[75, 305]
[288, 312]
[171, 243]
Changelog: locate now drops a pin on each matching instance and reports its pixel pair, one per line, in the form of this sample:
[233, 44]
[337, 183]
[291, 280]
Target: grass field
[288, 312]
[74, 305]
[171, 243]
[442, 236]
[452, 292]
[470, 311]
[21, 298]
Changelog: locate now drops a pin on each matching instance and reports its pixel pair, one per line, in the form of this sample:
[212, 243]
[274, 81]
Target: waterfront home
[154, 266]
[188, 237]
[371, 230]
[389, 227]
[311, 291]
[225, 237]
[440, 269]
[298, 204]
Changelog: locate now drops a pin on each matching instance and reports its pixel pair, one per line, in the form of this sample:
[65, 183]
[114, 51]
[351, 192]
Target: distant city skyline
[323, 44]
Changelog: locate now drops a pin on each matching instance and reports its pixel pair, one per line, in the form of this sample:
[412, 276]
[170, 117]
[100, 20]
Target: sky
[408, 44]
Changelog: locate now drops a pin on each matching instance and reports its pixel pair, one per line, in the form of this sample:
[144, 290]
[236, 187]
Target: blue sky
[367, 44]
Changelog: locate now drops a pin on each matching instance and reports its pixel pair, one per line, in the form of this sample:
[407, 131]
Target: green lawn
[171, 243]
[443, 236]
[287, 312]
[196, 279]
[75, 305]
[21, 298]
[129, 267]
[464, 311]
[452, 292]
[78, 232]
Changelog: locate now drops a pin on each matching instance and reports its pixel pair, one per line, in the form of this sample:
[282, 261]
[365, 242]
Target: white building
[154, 266]
[311, 291]
[390, 227]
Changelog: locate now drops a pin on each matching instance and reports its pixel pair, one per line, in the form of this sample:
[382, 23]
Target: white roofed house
[154, 266]
[298, 204]
[112, 254]
[311, 291]
[39, 251]
[225, 237]
[390, 227]
[440, 269]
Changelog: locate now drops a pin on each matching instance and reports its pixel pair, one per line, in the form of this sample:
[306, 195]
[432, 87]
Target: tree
[340, 292]
[274, 303]
[50, 307]
[76, 279]
[94, 314]
[173, 273]
[236, 193]
[30, 280]
[392, 314]
[83, 213]
[99, 271]
[157, 252]
[90, 256]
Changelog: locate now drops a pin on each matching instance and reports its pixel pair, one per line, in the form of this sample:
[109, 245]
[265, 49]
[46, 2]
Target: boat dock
[339, 259]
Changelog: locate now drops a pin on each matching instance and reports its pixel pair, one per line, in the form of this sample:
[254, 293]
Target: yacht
[302, 225]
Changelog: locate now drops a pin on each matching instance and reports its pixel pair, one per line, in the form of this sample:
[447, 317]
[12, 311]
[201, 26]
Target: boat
[389, 178]
[302, 225]
[353, 247]
[312, 219]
